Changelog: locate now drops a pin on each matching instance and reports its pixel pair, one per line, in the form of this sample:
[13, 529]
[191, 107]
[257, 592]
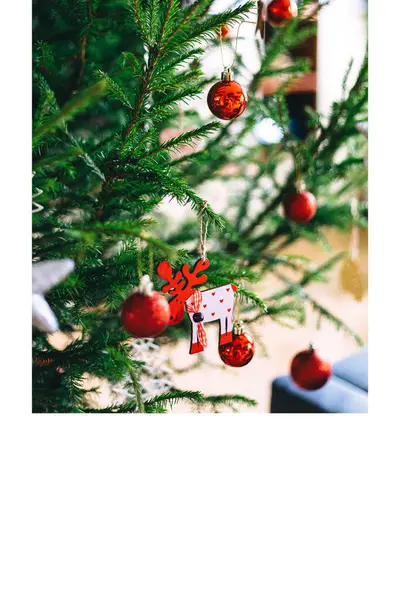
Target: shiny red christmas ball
[309, 371]
[281, 11]
[300, 207]
[226, 99]
[145, 315]
[238, 352]
[225, 29]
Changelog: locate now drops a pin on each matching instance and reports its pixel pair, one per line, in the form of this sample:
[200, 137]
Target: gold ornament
[351, 278]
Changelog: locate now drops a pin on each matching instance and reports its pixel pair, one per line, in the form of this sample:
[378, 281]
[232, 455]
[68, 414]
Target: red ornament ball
[227, 99]
[145, 315]
[281, 11]
[309, 371]
[300, 207]
[238, 352]
[225, 29]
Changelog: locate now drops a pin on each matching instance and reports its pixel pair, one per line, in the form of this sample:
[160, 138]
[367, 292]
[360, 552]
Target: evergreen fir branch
[154, 21]
[118, 229]
[47, 102]
[184, 95]
[229, 400]
[184, 194]
[205, 28]
[138, 14]
[188, 138]
[69, 110]
[86, 157]
[43, 56]
[174, 396]
[318, 272]
[249, 296]
[163, 85]
[134, 63]
[125, 408]
[174, 59]
[57, 160]
[134, 374]
[338, 323]
[114, 88]
[293, 310]
[169, 16]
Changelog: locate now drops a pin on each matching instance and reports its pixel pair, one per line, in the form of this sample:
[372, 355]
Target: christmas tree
[116, 139]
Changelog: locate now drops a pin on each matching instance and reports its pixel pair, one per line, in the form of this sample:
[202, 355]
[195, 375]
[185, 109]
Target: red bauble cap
[227, 99]
[240, 351]
[300, 206]
[281, 11]
[145, 313]
[309, 371]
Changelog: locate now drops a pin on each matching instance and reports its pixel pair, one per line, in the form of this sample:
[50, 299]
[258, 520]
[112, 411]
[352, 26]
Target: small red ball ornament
[240, 351]
[226, 99]
[309, 371]
[225, 29]
[145, 313]
[300, 206]
[279, 12]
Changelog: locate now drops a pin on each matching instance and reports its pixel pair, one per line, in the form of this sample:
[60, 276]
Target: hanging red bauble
[240, 351]
[300, 206]
[279, 12]
[226, 99]
[145, 313]
[309, 371]
[225, 29]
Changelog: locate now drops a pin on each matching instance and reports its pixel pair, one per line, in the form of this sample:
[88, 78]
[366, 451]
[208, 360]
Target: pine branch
[229, 400]
[77, 104]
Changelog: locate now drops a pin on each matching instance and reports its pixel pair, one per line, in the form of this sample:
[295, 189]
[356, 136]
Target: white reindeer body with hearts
[215, 304]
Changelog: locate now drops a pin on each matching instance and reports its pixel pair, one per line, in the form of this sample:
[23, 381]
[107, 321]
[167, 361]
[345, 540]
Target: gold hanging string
[236, 310]
[225, 67]
[203, 231]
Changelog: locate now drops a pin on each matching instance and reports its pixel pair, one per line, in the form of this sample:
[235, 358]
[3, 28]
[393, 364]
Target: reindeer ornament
[215, 304]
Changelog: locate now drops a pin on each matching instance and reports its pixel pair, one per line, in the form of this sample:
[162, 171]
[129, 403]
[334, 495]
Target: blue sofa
[346, 391]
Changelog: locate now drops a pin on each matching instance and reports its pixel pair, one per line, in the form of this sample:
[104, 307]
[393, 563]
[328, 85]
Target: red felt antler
[175, 282]
[193, 277]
